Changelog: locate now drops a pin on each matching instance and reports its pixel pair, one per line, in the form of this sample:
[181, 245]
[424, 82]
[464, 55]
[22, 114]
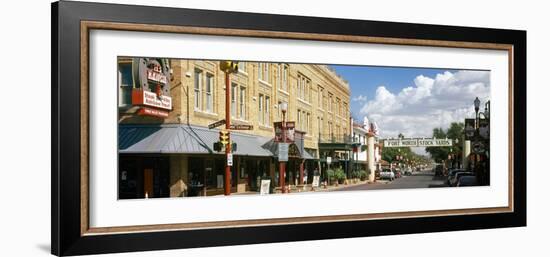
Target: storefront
[206, 174]
[180, 161]
[143, 176]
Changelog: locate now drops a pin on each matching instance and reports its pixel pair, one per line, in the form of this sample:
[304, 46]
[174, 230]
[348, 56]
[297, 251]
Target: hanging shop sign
[152, 112]
[290, 131]
[469, 129]
[151, 86]
[282, 153]
[484, 128]
[141, 97]
[479, 146]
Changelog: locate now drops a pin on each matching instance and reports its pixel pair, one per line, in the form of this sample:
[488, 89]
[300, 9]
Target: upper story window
[209, 92]
[320, 97]
[263, 72]
[285, 77]
[242, 103]
[233, 100]
[204, 87]
[282, 77]
[330, 102]
[261, 109]
[338, 106]
[197, 89]
[264, 106]
[267, 111]
[125, 84]
[304, 88]
[243, 67]
[344, 109]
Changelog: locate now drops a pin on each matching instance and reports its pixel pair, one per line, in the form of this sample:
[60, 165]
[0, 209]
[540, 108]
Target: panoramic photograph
[197, 128]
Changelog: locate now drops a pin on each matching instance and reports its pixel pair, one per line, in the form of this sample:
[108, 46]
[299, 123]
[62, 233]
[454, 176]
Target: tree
[455, 132]
[390, 154]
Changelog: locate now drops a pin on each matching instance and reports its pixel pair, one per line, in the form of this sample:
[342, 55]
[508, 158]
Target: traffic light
[224, 137]
[233, 147]
[229, 66]
[217, 146]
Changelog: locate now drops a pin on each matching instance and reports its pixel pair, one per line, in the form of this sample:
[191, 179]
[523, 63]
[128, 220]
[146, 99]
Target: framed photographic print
[178, 128]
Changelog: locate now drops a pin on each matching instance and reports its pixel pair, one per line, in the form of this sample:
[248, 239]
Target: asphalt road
[423, 179]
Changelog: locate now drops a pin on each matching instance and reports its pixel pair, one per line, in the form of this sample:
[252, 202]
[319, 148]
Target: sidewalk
[308, 188]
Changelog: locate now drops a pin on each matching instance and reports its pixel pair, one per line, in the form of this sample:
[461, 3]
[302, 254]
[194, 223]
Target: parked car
[408, 172]
[387, 174]
[452, 175]
[466, 181]
[457, 176]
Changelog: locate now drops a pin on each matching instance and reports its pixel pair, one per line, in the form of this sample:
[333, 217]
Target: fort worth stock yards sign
[417, 142]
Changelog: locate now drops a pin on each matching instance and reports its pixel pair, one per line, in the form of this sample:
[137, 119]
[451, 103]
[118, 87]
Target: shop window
[125, 84]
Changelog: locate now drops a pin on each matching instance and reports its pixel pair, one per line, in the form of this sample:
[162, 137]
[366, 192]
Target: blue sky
[413, 101]
[364, 80]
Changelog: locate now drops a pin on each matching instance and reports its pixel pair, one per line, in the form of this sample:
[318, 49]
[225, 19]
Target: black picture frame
[66, 209]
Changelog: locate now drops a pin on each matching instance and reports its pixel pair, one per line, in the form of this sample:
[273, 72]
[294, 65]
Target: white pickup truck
[387, 174]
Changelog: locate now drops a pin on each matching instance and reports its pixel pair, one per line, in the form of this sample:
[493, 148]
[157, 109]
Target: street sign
[329, 160]
[241, 127]
[229, 159]
[283, 152]
[216, 124]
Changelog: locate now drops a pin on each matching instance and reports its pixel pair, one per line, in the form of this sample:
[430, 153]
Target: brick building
[167, 151]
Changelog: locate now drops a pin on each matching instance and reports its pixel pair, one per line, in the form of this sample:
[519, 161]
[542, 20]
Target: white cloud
[359, 98]
[428, 103]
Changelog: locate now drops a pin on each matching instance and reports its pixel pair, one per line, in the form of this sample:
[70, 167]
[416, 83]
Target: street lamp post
[282, 165]
[477, 102]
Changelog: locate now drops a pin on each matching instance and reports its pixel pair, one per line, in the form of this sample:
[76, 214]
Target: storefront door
[148, 183]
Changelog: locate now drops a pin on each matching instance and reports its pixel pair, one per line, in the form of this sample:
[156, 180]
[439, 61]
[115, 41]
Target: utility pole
[228, 67]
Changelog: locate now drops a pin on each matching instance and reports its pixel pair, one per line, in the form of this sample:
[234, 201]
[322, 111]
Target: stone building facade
[318, 101]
